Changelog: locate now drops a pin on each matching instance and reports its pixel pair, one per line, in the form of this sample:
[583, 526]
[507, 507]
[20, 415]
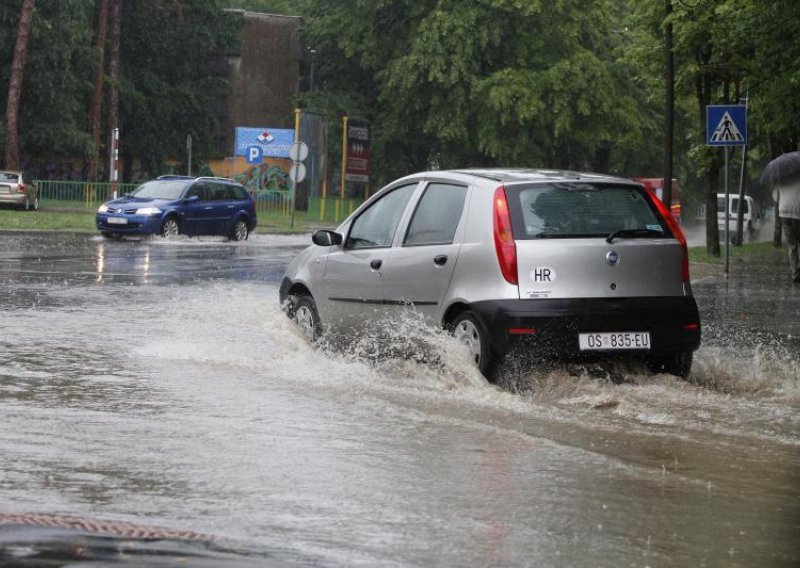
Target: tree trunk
[95, 108]
[115, 21]
[115, 25]
[669, 110]
[15, 85]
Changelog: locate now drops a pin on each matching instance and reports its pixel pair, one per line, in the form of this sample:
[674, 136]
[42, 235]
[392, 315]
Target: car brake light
[21, 188]
[504, 238]
[676, 231]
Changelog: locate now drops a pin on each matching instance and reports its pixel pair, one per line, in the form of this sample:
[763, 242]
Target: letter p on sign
[254, 155]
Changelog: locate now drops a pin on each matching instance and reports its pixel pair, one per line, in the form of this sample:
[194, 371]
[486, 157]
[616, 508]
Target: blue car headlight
[148, 211]
[103, 209]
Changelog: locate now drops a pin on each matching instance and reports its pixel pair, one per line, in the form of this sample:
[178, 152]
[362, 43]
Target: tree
[490, 82]
[97, 95]
[167, 88]
[15, 86]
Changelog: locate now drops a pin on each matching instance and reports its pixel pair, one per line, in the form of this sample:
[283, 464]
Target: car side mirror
[191, 199]
[326, 238]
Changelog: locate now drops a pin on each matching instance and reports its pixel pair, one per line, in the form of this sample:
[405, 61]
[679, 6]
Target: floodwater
[157, 383]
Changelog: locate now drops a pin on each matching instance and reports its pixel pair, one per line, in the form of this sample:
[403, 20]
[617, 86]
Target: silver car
[559, 264]
[18, 189]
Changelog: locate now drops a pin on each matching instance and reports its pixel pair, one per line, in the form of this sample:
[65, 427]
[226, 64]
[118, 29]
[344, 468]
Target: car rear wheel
[307, 317]
[678, 364]
[170, 228]
[468, 330]
[32, 205]
[239, 232]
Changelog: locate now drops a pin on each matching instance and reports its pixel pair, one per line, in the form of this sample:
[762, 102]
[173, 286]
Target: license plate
[614, 340]
[117, 221]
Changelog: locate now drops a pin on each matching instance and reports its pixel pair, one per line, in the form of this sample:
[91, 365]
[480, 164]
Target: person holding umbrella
[784, 174]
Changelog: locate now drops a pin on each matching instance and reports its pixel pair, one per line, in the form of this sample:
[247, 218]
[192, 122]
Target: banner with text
[358, 151]
[272, 142]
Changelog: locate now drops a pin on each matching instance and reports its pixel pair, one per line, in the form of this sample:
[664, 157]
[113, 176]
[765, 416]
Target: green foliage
[444, 83]
[491, 82]
[167, 89]
[56, 87]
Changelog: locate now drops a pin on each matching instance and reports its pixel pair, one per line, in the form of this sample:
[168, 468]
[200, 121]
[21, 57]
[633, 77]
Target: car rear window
[9, 178]
[581, 210]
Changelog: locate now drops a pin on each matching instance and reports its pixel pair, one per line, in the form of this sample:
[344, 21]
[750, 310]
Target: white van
[749, 219]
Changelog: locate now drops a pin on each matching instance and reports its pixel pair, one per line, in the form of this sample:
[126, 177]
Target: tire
[32, 206]
[678, 364]
[239, 231]
[170, 228]
[306, 317]
[469, 330]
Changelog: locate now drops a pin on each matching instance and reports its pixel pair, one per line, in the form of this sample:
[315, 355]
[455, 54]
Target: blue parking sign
[726, 125]
[254, 155]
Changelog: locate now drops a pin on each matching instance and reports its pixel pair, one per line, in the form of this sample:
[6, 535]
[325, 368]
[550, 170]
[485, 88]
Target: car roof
[512, 175]
[193, 178]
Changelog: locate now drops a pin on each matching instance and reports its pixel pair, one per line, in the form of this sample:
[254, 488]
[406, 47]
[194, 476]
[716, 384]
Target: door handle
[440, 260]
[375, 264]
[209, 207]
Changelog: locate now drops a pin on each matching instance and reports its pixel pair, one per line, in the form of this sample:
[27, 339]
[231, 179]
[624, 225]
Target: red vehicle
[656, 186]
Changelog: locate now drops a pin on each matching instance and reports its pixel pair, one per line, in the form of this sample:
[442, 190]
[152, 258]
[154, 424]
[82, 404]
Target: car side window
[376, 226]
[239, 192]
[437, 215]
[221, 192]
[195, 191]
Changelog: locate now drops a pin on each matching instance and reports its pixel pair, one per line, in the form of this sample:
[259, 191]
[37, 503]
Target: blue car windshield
[161, 189]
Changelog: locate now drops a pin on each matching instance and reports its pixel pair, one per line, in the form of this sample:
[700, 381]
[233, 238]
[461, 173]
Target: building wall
[265, 76]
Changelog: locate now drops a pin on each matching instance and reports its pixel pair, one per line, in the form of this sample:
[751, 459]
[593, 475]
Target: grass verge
[700, 254]
[83, 221]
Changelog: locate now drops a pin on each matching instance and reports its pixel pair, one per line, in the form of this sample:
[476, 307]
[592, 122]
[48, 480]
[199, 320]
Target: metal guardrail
[332, 209]
[78, 194]
[89, 195]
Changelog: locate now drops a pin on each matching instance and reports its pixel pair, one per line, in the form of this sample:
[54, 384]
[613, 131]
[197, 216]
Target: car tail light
[676, 231]
[21, 188]
[504, 238]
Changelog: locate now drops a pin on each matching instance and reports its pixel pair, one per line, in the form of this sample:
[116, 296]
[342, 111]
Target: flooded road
[157, 383]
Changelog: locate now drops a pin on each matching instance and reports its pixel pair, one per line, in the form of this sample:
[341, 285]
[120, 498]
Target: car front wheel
[307, 317]
[239, 232]
[170, 228]
[469, 330]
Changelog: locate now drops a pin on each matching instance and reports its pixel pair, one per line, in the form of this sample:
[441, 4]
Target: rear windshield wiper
[634, 233]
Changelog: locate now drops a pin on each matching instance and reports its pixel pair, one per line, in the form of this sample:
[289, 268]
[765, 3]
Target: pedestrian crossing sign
[726, 125]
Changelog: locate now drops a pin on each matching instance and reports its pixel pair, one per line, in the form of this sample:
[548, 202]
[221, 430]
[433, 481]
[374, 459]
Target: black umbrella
[782, 167]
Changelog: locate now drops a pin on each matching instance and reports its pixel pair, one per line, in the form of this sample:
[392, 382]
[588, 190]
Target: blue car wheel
[170, 228]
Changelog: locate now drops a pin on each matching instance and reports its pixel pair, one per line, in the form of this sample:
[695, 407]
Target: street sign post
[726, 125]
[297, 152]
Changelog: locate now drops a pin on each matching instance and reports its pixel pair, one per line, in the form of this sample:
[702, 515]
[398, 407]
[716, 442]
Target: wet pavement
[157, 383]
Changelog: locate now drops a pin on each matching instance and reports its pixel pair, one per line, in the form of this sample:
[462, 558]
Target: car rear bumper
[13, 198]
[553, 325]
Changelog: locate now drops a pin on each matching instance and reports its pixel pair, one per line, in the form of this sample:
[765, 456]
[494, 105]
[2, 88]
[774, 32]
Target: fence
[78, 194]
[273, 203]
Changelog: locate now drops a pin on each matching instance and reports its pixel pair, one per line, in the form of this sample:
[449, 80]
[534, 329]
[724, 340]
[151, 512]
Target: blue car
[172, 205]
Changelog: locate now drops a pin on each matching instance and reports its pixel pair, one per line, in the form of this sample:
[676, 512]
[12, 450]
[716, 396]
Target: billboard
[357, 167]
[273, 142]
